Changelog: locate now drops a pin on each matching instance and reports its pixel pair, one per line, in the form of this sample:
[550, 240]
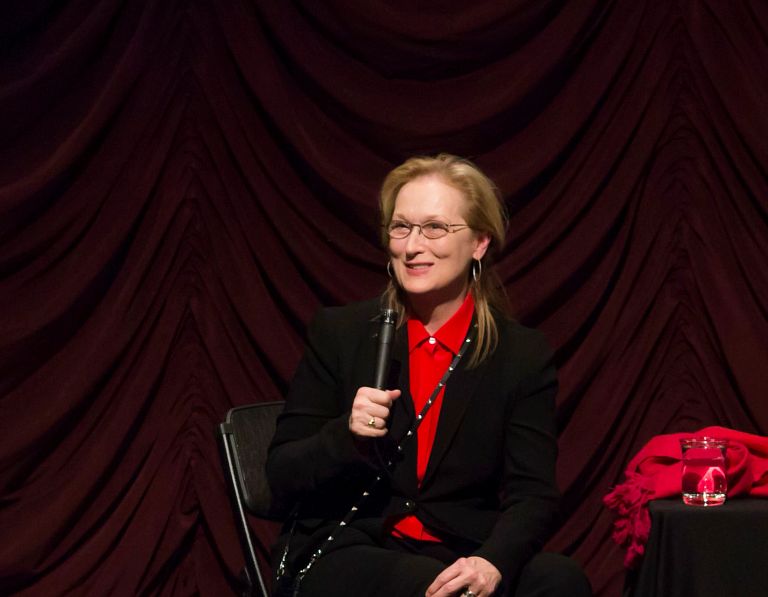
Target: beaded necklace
[354, 509]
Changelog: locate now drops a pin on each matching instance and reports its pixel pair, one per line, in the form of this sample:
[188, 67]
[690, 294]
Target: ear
[482, 241]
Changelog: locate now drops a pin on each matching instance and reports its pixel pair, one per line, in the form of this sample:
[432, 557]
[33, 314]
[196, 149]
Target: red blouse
[428, 359]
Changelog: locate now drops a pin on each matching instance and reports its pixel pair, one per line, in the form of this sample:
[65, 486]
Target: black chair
[244, 437]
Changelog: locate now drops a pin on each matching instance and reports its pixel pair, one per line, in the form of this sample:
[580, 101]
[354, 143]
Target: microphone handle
[386, 335]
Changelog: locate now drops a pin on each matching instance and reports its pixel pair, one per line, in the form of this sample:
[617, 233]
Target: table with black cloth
[696, 552]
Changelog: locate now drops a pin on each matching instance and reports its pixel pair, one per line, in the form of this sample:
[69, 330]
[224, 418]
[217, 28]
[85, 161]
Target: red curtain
[183, 183]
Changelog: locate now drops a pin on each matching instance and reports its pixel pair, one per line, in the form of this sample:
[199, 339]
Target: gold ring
[372, 422]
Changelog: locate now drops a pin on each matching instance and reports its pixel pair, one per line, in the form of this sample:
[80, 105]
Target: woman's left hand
[473, 573]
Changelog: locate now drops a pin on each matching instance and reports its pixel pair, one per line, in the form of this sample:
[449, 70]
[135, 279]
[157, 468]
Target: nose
[414, 241]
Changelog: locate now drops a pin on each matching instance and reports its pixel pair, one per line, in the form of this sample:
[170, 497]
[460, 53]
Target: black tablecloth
[705, 552]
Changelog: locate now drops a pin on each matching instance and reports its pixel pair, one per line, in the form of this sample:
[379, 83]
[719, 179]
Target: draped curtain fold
[184, 182]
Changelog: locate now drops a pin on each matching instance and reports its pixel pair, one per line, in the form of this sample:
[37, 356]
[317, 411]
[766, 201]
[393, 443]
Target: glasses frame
[451, 229]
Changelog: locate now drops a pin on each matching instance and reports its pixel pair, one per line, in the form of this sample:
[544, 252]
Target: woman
[467, 497]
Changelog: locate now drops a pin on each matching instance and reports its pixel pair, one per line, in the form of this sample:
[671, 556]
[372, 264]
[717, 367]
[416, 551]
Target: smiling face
[434, 273]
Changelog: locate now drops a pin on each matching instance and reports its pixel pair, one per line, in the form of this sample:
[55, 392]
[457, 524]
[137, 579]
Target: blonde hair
[485, 214]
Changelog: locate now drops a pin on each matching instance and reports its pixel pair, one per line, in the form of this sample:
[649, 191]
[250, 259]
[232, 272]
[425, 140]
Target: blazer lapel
[402, 416]
[399, 377]
[459, 392]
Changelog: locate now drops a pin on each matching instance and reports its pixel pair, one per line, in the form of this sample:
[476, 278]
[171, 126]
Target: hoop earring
[477, 270]
[389, 269]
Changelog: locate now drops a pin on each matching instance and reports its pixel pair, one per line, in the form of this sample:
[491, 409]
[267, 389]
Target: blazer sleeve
[529, 495]
[313, 446]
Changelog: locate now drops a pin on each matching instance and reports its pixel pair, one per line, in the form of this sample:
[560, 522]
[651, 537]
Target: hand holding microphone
[370, 411]
[370, 408]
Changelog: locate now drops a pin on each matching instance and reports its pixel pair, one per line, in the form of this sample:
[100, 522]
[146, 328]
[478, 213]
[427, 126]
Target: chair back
[244, 437]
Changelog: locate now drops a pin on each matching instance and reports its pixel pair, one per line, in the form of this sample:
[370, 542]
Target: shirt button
[432, 340]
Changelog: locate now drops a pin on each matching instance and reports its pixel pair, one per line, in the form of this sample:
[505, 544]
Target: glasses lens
[434, 229]
[397, 229]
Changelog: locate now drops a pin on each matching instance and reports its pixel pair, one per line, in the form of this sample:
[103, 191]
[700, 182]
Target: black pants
[406, 569]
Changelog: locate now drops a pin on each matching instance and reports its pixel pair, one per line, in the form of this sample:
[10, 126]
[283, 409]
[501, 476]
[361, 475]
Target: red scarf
[656, 471]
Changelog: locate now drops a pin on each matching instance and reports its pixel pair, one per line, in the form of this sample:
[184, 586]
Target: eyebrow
[426, 219]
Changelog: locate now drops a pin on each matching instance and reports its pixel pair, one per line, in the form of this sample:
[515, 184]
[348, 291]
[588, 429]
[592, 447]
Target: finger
[441, 579]
[373, 422]
[367, 397]
[393, 395]
[365, 408]
[456, 578]
[371, 403]
[365, 425]
[376, 410]
[454, 587]
[368, 432]
[383, 397]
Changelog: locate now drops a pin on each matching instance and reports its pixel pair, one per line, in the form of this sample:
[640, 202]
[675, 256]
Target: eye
[399, 229]
[435, 226]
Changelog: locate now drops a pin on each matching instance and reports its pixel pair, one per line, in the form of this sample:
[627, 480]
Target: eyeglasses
[433, 229]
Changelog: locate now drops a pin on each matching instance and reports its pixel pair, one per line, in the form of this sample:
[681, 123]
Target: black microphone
[386, 334]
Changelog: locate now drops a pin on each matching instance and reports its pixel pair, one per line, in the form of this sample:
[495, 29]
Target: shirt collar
[452, 332]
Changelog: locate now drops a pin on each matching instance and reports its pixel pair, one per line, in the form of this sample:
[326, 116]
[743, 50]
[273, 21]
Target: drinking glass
[704, 482]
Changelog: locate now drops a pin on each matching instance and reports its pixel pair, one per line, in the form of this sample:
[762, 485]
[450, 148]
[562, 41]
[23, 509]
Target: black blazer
[490, 482]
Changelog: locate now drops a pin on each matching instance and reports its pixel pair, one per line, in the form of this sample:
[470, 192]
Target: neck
[433, 314]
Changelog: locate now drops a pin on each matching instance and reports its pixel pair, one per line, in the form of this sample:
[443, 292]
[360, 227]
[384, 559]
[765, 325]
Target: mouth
[416, 269]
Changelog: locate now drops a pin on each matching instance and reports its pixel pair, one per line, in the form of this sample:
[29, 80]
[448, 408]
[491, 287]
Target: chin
[433, 294]
[420, 287]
